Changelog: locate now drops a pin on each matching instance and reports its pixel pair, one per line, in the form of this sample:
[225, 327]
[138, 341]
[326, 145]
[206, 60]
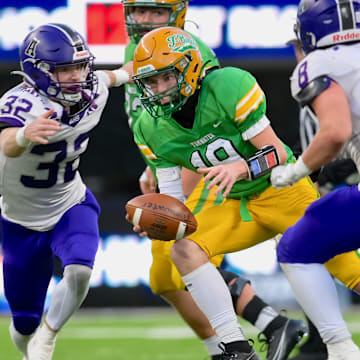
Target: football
[163, 217]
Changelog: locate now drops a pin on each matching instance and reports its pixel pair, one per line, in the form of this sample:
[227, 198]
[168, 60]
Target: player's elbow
[336, 138]
[9, 150]
[13, 153]
[8, 145]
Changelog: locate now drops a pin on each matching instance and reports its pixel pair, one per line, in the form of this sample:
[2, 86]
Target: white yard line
[151, 333]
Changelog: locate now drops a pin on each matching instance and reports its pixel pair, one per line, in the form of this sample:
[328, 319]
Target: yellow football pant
[164, 276]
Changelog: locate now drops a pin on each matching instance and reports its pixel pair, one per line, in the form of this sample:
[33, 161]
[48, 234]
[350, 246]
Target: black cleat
[216, 357]
[314, 348]
[235, 355]
[284, 339]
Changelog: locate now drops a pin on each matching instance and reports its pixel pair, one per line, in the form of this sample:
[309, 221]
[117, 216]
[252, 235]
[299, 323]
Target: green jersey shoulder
[230, 111]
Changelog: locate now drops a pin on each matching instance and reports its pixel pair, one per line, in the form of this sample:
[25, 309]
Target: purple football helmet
[49, 47]
[322, 23]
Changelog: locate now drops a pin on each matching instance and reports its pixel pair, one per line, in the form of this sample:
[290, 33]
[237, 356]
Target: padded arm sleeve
[169, 182]
[313, 89]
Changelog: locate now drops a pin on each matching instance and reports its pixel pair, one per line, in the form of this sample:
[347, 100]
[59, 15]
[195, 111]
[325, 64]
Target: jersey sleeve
[18, 108]
[243, 100]
[103, 77]
[143, 130]
[133, 105]
[313, 66]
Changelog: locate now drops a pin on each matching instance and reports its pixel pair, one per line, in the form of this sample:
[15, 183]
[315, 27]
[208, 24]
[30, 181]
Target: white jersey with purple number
[342, 64]
[43, 183]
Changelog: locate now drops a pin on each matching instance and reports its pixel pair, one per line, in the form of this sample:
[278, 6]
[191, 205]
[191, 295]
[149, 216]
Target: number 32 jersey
[43, 183]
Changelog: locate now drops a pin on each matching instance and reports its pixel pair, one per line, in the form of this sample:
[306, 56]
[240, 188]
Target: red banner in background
[106, 24]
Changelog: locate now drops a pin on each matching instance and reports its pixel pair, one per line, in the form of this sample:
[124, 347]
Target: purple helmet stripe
[68, 32]
[346, 14]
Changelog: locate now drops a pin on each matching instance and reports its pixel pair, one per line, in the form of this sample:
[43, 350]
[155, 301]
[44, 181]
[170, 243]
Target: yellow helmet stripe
[249, 103]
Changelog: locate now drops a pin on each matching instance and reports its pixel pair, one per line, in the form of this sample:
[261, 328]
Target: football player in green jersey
[279, 331]
[213, 122]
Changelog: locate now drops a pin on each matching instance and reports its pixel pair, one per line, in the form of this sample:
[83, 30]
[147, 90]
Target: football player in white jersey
[46, 208]
[327, 79]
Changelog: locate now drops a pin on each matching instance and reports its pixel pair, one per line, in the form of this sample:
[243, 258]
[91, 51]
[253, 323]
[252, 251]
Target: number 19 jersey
[230, 111]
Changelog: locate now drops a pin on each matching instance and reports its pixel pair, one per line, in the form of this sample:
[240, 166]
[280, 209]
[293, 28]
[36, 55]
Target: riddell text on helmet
[348, 36]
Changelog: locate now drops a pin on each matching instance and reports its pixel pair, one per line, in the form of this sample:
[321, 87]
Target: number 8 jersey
[41, 184]
[313, 74]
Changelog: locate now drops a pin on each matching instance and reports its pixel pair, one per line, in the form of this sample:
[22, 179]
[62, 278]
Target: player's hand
[283, 175]
[41, 128]
[147, 181]
[136, 228]
[224, 176]
[128, 67]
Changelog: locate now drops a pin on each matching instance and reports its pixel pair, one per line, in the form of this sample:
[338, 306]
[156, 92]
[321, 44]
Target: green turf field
[130, 335]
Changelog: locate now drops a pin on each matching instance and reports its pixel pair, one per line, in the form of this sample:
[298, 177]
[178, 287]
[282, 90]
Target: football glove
[287, 175]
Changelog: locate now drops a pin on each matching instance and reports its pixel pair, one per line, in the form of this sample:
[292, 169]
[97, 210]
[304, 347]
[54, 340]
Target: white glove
[287, 175]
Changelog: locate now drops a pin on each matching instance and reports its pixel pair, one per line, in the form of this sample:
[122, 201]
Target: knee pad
[237, 287]
[26, 324]
[77, 277]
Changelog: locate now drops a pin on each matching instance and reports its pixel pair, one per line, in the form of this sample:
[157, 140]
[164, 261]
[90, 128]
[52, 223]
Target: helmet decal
[31, 49]
[181, 43]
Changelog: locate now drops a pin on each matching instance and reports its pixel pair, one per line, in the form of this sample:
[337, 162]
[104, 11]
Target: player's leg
[184, 304]
[220, 230]
[28, 267]
[74, 241]
[279, 332]
[166, 282]
[303, 249]
[223, 230]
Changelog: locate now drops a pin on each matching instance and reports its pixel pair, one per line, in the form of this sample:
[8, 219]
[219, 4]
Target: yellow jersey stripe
[249, 103]
[147, 152]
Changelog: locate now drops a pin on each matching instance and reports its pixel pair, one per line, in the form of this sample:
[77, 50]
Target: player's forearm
[335, 127]
[9, 142]
[268, 137]
[320, 153]
[120, 76]
[170, 182]
[189, 180]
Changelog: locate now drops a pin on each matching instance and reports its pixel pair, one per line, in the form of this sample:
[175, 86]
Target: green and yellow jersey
[226, 117]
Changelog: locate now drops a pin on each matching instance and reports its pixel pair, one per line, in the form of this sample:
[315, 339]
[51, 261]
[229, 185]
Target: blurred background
[247, 34]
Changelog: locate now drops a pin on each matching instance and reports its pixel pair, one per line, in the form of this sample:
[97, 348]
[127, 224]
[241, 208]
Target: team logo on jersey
[31, 49]
[181, 43]
[203, 140]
